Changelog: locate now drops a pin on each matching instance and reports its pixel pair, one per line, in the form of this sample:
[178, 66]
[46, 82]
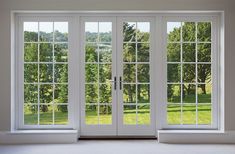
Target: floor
[119, 147]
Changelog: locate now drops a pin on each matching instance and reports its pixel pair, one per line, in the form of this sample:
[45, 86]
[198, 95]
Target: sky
[46, 26]
[107, 26]
[91, 26]
[172, 25]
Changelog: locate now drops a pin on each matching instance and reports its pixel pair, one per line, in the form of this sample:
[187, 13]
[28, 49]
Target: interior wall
[158, 5]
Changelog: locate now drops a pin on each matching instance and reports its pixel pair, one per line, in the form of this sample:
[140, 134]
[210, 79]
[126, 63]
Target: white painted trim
[158, 14]
[38, 136]
[196, 136]
[119, 11]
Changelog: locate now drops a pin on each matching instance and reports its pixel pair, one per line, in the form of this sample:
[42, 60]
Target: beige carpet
[118, 147]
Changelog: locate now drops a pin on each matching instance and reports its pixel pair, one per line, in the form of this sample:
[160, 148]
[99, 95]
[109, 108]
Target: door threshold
[117, 138]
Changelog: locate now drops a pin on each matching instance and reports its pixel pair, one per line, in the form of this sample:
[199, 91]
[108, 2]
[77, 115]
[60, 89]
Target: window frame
[74, 103]
[215, 63]
[19, 116]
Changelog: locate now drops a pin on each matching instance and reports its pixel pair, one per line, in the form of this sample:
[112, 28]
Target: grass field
[173, 116]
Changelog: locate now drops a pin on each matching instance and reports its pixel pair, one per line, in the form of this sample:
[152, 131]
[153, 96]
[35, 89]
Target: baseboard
[38, 137]
[197, 136]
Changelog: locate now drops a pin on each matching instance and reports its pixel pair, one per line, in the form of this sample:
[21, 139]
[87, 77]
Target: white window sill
[38, 136]
[44, 132]
[189, 131]
[196, 136]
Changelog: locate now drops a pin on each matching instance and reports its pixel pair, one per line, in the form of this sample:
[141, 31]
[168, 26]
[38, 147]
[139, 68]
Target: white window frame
[214, 70]
[159, 72]
[20, 19]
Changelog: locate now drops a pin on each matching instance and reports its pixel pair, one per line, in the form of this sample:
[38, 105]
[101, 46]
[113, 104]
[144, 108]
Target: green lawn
[188, 114]
[173, 116]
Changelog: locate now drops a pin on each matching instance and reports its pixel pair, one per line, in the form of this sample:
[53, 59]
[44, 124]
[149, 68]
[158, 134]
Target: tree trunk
[203, 86]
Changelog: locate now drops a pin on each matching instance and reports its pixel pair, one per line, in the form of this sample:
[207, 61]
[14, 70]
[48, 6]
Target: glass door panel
[135, 114]
[99, 74]
[136, 90]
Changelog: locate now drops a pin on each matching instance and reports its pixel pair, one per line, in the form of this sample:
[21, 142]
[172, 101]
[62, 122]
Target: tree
[189, 51]
[45, 70]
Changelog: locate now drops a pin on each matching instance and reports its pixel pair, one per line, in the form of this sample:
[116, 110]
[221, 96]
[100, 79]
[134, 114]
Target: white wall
[5, 54]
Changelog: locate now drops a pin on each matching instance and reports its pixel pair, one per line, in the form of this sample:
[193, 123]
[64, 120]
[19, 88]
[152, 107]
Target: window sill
[44, 132]
[196, 136]
[38, 136]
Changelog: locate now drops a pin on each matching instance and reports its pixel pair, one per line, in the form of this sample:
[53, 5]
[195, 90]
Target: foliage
[188, 55]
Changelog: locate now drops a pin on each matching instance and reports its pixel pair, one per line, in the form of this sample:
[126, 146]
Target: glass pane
[46, 31]
[30, 52]
[129, 73]
[30, 93]
[30, 73]
[189, 73]
[61, 115]
[143, 94]
[46, 52]
[143, 52]
[204, 93]
[173, 114]
[105, 31]
[204, 31]
[129, 115]
[46, 93]
[61, 52]
[129, 31]
[105, 72]
[143, 73]
[105, 93]
[105, 51]
[189, 52]
[129, 93]
[30, 114]
[188, 31]
[189, 114]
[173, 72]
[204, 52]
[46, 115]
[61, 93]
[91, 52]
[61, 73]
[189, 93]
[143, 31]
[91, 72]
[143, 114]
[129, 52]
[173, 52]
[91, 115]
[204, 114]
[61, 31]
[45, 72]
[30, 31]
[173, 31]
[105, 114]
[91, 29]
[173, 93]
[91, 92]
[204, 73]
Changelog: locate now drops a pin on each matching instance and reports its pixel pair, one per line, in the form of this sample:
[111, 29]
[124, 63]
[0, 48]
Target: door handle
[115, 82]
[120, 82]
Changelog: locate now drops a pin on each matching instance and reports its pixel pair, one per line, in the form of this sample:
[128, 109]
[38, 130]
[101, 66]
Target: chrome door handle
[120, 82]
[115, 82]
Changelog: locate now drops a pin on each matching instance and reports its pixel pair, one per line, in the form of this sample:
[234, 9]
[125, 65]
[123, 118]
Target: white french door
[116, 86]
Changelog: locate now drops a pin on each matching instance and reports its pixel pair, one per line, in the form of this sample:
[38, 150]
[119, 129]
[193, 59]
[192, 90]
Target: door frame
[117, 128]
